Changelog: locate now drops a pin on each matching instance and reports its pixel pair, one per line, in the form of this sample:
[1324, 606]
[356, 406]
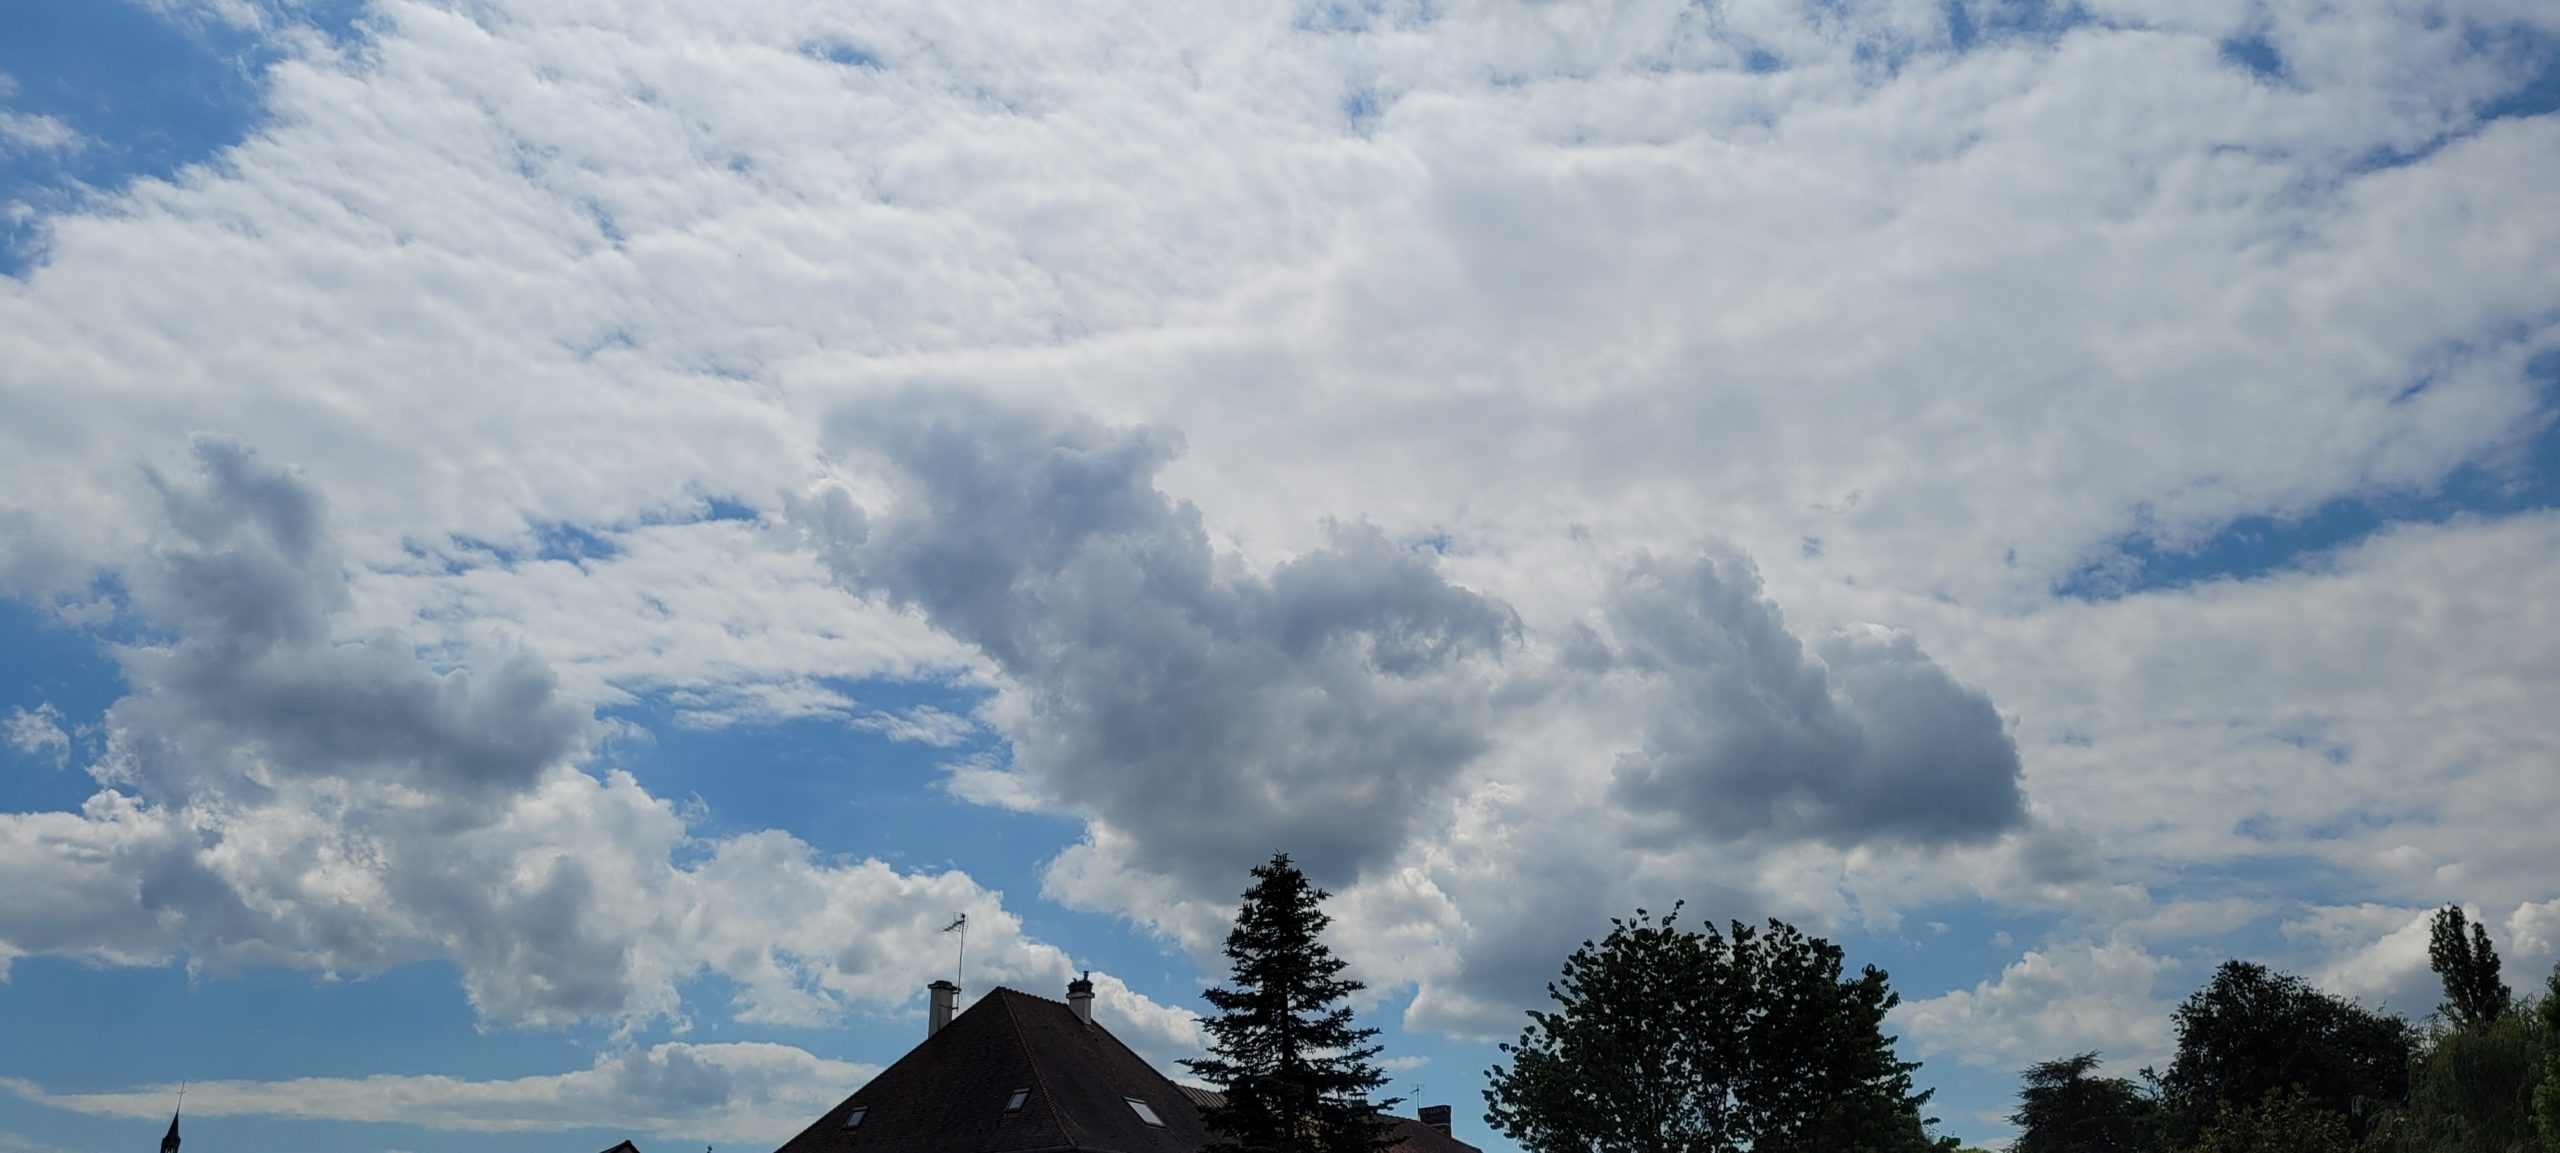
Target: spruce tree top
[1295, 1071]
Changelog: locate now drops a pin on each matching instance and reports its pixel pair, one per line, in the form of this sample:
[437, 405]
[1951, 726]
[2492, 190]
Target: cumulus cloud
[1210, 713]
[1863, 739]
[1412, 740]
[2072, 997]
[2533, 942]
[745, 1092]
[2375, 954]
[258, 689]
[37, 732]
[1200, 713]
[278, 792]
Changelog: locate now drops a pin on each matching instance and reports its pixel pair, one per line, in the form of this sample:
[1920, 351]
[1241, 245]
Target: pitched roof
[948, 1094]
[1412, 1136]
[625, 1147]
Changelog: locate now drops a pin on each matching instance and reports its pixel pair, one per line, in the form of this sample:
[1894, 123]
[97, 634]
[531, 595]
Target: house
[1024, 1074]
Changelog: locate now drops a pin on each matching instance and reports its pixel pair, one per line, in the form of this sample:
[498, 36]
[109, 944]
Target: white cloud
[28, 132]
[38, 732]
[2373, 713]
[31, 132]
[744, 1092]
[2532, 947]
[2073, 997]
[2376, 955]
[277, 792]
[923, 724]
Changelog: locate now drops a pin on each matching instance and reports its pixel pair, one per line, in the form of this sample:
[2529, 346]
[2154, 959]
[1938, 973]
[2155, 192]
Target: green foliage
[2546, 1095]
[1295, 1073]
[2251, 1032]
[2473, 1090]
[2283, 1121]
[2062, 1109]
[1636, 1060]
[2468, 966]
[1668, 1040]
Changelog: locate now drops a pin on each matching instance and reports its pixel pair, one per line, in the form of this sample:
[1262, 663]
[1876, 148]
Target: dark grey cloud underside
[252, 694]
[247, 578]
[1747, 733]
[1214, 715]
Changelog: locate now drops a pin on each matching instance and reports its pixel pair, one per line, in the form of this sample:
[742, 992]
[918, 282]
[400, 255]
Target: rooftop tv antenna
[960, 925]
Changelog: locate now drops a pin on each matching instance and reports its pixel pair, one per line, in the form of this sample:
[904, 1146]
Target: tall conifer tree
[2468, 965]
[1295, 1072]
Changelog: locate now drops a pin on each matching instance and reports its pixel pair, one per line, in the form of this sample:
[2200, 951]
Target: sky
[548, 546]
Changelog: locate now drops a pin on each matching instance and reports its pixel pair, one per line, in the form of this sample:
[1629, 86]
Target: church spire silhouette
[169, 1144]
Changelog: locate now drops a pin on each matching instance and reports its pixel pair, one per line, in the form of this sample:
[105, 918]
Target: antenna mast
[959, 965]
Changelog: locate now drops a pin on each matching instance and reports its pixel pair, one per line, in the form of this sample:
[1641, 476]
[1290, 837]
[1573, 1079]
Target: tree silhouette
[2062, 1109]
[2473, 992]
[2251, 1031]
[1295, 1072]
[1677, 1041]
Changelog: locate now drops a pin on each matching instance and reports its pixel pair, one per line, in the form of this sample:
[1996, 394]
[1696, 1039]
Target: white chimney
[946, 996]
[1080, 997]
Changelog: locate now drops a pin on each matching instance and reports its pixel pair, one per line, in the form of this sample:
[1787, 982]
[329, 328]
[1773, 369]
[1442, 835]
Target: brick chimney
[1080, 997]
[1436, 1116]
[946, 996]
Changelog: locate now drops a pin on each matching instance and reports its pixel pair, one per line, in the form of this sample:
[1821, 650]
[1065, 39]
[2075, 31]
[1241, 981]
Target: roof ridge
[1039, 1080]
[1024, 995]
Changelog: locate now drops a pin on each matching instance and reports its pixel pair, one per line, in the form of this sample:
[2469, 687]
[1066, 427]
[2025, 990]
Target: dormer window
[1144, 1113]
[1013, 1104]
[853, 1120]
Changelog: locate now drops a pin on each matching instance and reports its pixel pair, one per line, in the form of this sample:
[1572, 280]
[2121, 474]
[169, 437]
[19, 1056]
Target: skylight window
[1013, 1104]
[1144, 1113]
[853, 1120]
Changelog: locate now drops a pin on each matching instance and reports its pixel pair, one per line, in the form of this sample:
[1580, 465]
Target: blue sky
[547, 547]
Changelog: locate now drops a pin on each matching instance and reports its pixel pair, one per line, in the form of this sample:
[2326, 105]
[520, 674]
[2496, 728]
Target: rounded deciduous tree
[2062, 1109]
[2252, 1031]
[1667, 1040]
